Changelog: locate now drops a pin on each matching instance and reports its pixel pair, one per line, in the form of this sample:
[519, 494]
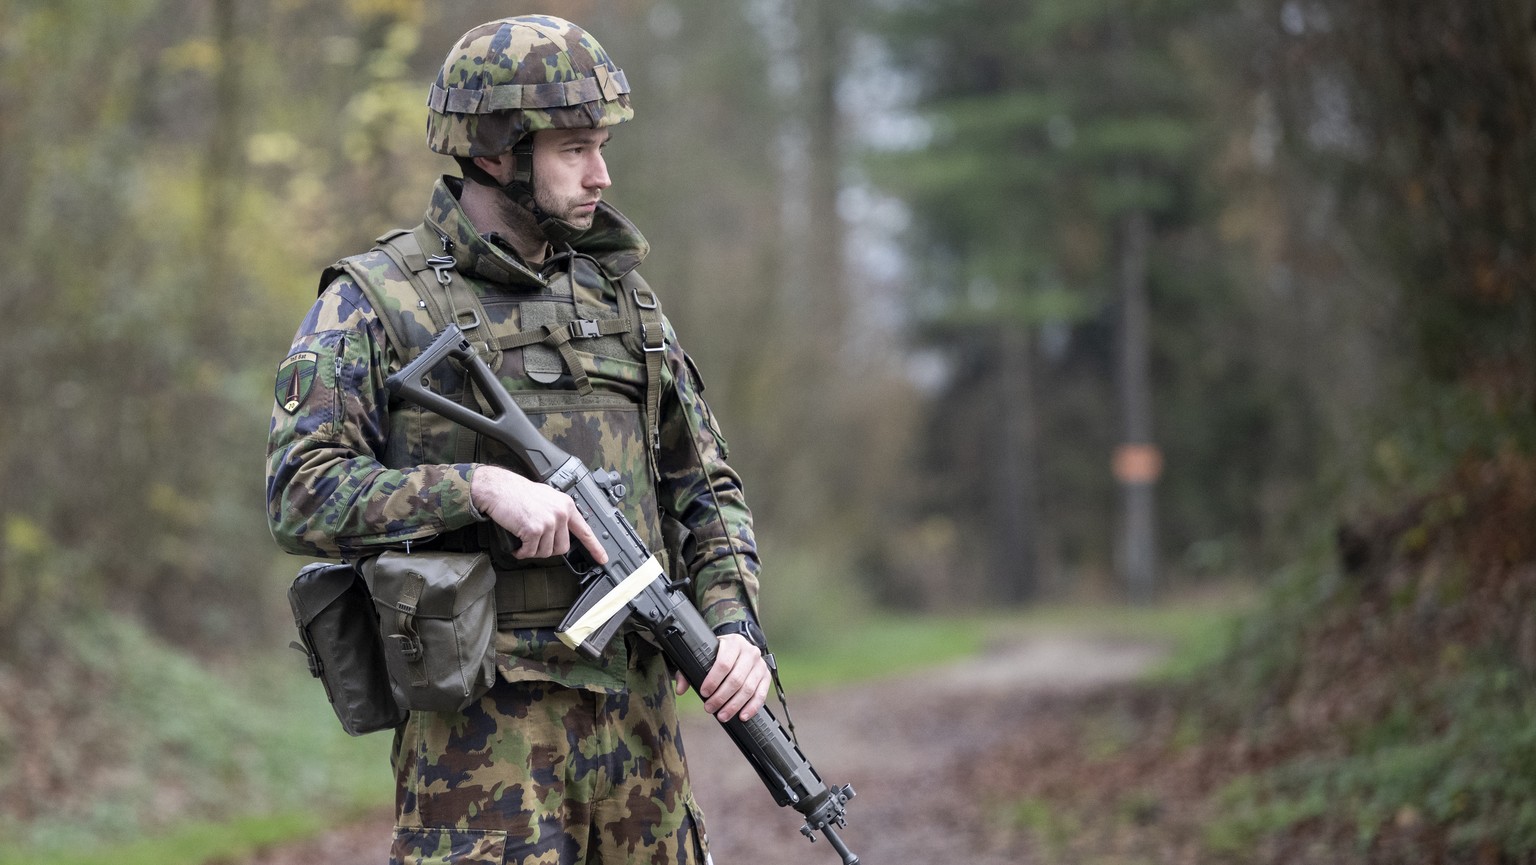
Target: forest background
[941, 262]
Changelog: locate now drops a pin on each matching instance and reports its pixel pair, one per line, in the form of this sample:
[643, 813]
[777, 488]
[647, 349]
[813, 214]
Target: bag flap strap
[405, 627]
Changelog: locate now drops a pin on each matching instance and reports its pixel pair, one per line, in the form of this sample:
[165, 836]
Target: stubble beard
[563, 209]
[521, 220]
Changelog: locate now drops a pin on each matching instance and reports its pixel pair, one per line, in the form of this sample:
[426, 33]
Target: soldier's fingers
[539, 544]
[725, 659]
[587, 537]
[749, 697]
[711, 683]
[740, 695]
[681, 684]
[529, 548]
[732, 693]
[560, 538]
[759, 697]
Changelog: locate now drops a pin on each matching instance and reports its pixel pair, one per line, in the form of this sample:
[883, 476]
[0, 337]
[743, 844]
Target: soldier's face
[569, 173]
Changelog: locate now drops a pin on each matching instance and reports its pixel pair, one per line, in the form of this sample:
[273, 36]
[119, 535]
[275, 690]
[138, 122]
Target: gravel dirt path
[900, 742]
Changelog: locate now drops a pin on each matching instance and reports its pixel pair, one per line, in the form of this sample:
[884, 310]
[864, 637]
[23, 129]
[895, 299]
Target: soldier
[563, 760]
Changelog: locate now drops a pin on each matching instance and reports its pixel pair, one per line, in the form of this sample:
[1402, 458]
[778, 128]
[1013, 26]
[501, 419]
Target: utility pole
[1137, 461]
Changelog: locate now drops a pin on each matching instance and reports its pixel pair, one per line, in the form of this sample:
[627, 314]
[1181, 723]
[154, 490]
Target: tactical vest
[588, 376]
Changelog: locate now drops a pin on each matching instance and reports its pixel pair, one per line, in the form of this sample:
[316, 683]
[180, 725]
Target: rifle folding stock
[631, 586]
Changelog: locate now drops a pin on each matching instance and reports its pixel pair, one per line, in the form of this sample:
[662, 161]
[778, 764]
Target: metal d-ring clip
[467, 319]
[645, 332]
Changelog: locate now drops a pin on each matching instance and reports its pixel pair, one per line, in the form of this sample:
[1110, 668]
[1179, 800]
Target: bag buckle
[410, 646]
[585, 328]
[315, 668]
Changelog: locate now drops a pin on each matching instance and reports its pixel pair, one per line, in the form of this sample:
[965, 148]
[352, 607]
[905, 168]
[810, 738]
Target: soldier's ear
[501, 166]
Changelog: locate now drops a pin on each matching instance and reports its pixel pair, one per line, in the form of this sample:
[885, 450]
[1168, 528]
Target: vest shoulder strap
[398, 279]
[404, 250]
[393, 276]
[639, 302]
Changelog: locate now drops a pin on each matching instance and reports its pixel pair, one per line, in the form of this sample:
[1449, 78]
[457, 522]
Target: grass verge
[194, 843]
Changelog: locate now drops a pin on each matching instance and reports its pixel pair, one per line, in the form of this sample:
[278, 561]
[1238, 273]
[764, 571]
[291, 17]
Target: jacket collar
[613, 241]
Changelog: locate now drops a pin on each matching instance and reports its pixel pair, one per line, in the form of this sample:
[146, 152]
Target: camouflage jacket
[349, 473]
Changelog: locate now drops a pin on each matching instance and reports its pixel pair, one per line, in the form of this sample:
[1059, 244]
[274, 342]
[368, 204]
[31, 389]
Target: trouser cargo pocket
[448, 847]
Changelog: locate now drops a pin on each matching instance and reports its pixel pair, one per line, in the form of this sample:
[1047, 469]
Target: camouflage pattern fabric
[507, 78]
[349, 474]
[565, 760]
[542, 775]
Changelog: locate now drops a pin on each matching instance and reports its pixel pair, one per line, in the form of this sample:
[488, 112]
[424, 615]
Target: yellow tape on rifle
[605, 608]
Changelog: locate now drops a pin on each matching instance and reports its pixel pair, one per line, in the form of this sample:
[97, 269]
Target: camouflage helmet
[508, 78]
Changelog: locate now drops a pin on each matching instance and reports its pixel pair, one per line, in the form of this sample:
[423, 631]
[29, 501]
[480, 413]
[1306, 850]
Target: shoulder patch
[295, 379]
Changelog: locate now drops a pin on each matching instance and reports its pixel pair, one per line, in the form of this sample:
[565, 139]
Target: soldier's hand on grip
[543, 518]
[738, 682]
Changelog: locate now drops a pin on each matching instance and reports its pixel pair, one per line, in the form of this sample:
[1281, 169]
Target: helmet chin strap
[520, 190]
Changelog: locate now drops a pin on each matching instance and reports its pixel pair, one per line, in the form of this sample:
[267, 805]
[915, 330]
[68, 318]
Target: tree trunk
[821, 38]
[221, 168]
[1015, 575]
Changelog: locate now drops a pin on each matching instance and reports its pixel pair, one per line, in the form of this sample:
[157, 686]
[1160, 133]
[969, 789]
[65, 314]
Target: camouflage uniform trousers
[540, 774]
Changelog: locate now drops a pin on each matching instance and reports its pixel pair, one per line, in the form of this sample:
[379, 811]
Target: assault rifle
[630, 585]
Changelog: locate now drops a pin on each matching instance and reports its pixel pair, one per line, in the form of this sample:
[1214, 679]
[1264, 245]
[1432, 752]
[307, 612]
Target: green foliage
[1433, 161]
[136, 362]
[810, 594]
[1394, 697]
[1442, 425]
[1468, 770]
[1265, 650]
[162, 738]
